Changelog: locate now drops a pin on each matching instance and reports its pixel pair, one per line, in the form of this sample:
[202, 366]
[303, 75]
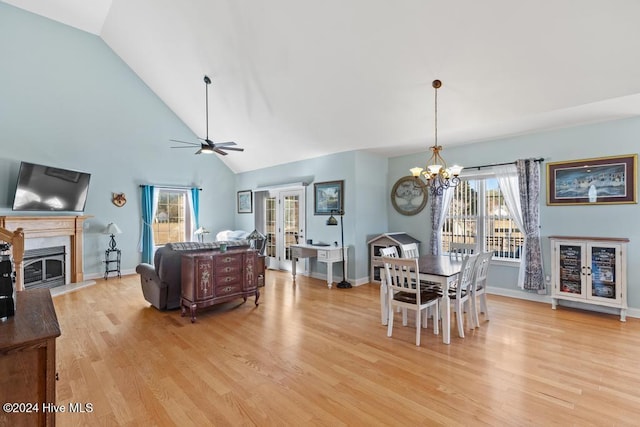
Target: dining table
[442, 271]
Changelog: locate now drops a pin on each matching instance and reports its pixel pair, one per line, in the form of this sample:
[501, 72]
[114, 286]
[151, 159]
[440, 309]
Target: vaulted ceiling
[296, 79]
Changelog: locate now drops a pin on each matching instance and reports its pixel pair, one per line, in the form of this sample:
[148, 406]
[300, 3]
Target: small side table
[111, 262]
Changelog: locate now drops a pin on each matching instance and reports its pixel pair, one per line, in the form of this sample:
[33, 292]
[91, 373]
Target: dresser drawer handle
[228, 289]
[228, 279]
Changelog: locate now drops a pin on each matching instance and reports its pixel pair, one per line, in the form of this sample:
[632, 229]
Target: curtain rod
[541, 159]
[170, 187]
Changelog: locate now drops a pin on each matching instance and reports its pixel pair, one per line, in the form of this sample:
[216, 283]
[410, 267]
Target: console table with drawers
[218, 277]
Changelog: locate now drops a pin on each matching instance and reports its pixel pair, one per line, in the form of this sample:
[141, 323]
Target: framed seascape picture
[604, 180]
[245, 201]
[328, 197]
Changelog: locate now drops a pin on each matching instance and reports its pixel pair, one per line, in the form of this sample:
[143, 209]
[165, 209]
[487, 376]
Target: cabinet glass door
[571, 268]
[603, 272]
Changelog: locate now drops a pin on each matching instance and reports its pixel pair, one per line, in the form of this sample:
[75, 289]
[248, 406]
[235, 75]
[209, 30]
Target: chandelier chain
[437, 174]
[436, 118]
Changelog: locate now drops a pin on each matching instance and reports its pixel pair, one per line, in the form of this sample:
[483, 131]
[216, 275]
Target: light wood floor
[313, 356]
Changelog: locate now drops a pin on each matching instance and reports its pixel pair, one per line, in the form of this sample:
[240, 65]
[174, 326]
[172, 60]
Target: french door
[284, 214]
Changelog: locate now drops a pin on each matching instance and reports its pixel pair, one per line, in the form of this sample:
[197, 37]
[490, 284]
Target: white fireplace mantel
[52, 226]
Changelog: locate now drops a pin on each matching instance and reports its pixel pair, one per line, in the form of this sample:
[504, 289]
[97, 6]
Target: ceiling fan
[208, 146]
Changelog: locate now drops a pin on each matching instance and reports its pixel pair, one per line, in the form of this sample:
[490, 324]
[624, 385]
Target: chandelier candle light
[438, 176]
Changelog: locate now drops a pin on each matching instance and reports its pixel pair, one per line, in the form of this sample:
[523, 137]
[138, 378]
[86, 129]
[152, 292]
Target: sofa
[161, 282]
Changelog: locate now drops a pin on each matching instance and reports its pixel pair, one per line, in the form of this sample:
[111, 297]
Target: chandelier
[437, 175]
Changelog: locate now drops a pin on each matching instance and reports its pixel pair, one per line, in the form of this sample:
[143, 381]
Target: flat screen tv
[45, 188]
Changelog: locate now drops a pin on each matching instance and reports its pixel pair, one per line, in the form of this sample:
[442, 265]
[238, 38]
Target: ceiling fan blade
[208, 146]
[184, 142]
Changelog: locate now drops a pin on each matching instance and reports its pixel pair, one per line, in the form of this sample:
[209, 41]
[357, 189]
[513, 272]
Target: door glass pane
[570, 269]
[291, 223]
[270, 224]
[603, 272]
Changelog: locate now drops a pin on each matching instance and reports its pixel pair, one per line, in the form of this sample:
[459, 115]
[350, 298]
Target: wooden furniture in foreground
[209, 279]
[52, 226]
[590, 270]
[28, 360]
[16, 238]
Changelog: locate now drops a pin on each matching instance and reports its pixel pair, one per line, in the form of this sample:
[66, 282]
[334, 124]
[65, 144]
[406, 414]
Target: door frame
[279, 262]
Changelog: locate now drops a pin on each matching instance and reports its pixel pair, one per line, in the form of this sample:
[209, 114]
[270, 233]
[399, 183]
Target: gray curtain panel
[529, 182]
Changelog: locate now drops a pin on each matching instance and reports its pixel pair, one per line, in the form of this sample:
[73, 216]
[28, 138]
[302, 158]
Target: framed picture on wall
[603, 180]
[245, 201]
[328, 197]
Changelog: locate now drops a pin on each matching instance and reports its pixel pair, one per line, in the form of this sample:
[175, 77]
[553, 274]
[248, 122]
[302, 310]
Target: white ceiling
[295, 79]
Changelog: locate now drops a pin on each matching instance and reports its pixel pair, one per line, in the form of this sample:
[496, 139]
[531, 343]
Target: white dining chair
[479, 288]
[391, 251]
[402, 278]
[460, 293]
[458, 250]
[409, 250]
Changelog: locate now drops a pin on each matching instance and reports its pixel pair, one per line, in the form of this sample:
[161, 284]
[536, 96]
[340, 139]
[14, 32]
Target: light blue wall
[596, 140]
[66, 100]
[364, 178]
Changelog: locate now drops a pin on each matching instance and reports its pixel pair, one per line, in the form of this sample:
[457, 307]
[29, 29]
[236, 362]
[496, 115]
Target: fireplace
[37, 231]
[44, 267]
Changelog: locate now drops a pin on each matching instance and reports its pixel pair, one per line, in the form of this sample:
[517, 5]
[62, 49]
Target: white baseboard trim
[65, 289]
[514, 293]
[358, 282]
[111, 275]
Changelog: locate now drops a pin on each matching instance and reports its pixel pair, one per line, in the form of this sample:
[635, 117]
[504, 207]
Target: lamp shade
[255, 235]
[112, 228]
[332, 220]
[201, 230]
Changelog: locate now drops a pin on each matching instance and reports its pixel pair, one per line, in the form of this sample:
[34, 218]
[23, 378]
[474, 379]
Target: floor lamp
[333, 221]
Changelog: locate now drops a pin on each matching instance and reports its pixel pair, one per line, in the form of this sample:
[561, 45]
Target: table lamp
[112, 229]
[200, 232]
[254, 237]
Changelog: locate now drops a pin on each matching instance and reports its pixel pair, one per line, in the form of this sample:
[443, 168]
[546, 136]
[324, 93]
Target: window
[172, 222]
[478, 214]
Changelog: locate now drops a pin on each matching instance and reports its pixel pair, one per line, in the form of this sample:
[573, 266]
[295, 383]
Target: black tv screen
[44, 188]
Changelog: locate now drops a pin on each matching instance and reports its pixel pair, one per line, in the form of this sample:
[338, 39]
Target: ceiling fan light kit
[208, 146]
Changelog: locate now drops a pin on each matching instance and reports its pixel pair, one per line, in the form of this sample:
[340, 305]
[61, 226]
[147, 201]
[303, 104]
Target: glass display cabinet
[589, 270]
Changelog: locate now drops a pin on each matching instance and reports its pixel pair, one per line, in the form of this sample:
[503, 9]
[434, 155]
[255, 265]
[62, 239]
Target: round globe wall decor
[408, 197]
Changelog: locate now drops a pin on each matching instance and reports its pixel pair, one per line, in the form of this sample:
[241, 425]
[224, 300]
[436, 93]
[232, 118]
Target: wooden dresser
[28, 360]
[217, 277]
